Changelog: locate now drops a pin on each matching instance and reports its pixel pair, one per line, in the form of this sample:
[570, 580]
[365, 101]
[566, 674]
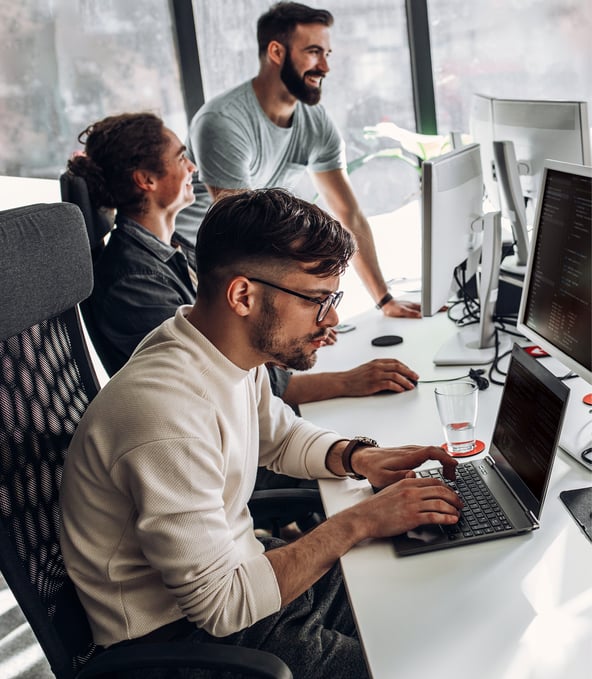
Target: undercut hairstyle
[280, 21]
[113, 149]
[264, 229]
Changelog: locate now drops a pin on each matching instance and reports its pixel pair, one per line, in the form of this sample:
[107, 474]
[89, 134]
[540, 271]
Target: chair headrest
[45, 264]
[98, 221]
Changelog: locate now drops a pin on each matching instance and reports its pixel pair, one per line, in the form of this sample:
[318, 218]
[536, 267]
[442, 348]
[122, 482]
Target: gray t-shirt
[236, 146]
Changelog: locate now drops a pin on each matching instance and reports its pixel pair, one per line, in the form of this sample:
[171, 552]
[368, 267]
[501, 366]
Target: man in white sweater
[156, 532]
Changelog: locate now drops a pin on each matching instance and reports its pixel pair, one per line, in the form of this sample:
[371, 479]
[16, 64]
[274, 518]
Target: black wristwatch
[356, 442]
[383, 300]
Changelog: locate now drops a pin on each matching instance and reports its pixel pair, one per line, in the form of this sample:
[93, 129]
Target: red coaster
[479, 448]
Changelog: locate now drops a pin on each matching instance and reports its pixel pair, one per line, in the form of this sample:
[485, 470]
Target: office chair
[46, 383]
[98, 222]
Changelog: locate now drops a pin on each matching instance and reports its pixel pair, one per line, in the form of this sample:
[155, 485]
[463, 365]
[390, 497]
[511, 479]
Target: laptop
[511, 481]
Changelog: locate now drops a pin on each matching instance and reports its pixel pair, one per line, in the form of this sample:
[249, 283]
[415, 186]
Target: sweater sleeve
[290, 444]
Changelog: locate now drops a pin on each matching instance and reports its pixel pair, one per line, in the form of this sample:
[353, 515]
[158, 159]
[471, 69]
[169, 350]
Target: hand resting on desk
[373, 377]
[402, 309]
[378, 375]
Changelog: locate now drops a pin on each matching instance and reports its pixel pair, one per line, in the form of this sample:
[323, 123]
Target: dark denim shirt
[140, 281]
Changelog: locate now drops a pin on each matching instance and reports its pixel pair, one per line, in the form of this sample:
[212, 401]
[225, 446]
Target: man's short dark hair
[271, 228]
[280, 21]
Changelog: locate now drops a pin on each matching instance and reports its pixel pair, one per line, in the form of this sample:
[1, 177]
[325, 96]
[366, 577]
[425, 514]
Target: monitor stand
[476, 345]
[512, 202]
[510, 265]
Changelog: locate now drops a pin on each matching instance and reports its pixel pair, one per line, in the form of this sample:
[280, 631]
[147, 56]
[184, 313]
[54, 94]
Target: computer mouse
[386, 340]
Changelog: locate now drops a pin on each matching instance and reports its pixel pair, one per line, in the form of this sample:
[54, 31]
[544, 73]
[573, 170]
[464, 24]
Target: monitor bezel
[528, 332]
[439, 263]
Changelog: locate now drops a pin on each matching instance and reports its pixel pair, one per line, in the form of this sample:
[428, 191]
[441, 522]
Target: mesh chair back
[46, 383]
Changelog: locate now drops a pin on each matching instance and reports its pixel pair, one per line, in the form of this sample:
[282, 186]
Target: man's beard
[289, 354]
[296, 84]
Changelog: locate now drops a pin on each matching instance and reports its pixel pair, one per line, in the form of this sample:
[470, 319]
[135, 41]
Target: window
[522, 49]
[64, 65]
[369, 82]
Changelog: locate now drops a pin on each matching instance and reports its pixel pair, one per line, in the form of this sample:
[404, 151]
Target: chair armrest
[269, 503]
[186, 654]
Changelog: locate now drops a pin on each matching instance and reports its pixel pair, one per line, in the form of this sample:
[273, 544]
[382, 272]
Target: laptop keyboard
[481, 513]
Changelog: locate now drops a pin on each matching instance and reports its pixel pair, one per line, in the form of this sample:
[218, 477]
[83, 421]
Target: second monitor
[455, 232]
[516, 137]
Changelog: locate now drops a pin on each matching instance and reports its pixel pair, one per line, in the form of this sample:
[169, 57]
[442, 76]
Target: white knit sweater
[155, 523]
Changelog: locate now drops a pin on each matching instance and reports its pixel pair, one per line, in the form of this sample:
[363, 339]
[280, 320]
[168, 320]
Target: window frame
[418, 31]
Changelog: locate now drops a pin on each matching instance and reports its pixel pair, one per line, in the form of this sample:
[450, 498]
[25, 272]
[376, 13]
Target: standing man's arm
[336, 189]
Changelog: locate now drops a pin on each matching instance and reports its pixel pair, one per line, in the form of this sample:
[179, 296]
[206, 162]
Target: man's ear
[144, 180]
[276, 52]
[240, 296]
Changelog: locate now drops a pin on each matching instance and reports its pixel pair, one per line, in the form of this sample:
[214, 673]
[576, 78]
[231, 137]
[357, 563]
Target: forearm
[365, 261]
[301, 563]
[405, 503]
[366, 264]
[310, 387]
[336, 189]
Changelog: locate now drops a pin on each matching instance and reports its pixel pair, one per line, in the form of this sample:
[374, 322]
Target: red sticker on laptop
[535, 351]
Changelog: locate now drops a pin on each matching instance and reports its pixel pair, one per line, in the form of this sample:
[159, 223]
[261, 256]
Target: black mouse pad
[579, 503]
[386, 340]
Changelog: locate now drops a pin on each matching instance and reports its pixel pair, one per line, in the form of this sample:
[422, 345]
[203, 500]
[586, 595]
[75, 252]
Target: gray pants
[315, 635]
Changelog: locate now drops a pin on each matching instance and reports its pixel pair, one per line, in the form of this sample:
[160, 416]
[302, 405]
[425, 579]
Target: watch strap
[356, 442]
[384, 300]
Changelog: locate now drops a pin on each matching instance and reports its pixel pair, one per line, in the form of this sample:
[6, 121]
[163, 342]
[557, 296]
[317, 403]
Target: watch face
[367, 441]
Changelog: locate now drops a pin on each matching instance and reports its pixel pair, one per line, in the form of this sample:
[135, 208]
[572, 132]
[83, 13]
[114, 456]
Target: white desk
[20, 191]
[515, 608]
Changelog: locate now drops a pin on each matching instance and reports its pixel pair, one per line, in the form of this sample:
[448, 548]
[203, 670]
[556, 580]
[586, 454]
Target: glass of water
[457, 407]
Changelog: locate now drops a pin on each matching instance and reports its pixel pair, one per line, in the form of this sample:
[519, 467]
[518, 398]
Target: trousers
[315, 635]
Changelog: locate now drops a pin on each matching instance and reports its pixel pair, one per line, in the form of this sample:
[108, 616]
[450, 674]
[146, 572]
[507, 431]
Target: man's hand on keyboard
[385, 466]
[408, 504]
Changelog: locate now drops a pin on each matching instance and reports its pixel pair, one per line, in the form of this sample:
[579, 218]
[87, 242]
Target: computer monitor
[455, 231]
[556, 305]
[527, 132]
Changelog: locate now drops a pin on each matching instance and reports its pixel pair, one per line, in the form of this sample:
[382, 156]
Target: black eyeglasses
[331, 300]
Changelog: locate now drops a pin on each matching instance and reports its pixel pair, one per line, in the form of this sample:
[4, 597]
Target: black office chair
[98, 222]
[46, 383]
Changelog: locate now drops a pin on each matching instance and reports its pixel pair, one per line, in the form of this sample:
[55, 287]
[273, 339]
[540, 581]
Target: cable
[568, 376]
[475, 374]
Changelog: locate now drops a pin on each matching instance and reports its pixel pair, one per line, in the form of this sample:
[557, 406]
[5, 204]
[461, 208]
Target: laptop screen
[528, 426]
